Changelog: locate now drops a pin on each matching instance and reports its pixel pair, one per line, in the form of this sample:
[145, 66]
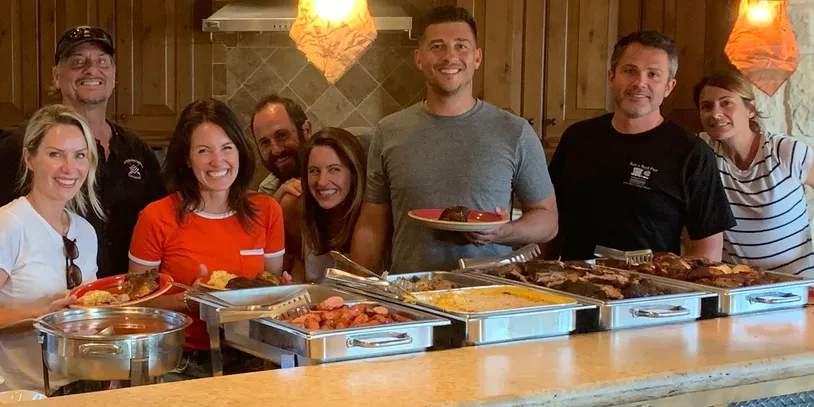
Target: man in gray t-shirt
[451, 149]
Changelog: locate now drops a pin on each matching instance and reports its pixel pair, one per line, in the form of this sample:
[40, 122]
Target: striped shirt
[769, 204]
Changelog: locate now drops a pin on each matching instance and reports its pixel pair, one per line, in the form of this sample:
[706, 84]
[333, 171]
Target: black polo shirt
[128, 180]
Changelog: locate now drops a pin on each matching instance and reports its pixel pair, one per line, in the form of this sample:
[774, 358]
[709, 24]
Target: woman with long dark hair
[333, 176]
[210, 220]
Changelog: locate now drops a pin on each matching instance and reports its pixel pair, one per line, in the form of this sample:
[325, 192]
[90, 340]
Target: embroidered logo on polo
[640, 174]
[134, 168]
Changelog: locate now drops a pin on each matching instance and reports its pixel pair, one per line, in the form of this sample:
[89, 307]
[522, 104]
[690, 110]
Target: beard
[289, 169]
[445, 89]
[446, 92]
[634, 109]
[91, 101]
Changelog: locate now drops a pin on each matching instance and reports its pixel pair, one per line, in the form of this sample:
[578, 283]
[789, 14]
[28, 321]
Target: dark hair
[179, 176]
[652, 39]
[734, 82]
[315, 220]
[447, 14]
[295, 112]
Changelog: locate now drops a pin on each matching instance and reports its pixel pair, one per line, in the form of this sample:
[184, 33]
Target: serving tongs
[376, 283]
[631, 258]
[362, 276]
[520, 255]
[290, 306]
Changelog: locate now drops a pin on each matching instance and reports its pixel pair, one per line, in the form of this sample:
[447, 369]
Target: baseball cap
[80, 35]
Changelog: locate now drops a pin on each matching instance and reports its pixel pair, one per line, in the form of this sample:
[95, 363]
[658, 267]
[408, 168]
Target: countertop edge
[612, 392]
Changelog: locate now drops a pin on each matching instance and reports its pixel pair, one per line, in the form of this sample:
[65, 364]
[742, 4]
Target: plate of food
[458, 219]
[220, 280]
[216, 281]
[122, 290]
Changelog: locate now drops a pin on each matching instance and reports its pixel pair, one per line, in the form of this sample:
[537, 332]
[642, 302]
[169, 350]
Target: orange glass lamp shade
[333, 34]
[762, 45]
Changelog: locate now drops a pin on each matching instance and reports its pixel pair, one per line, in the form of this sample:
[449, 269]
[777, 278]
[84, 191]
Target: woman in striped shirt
[763, 175]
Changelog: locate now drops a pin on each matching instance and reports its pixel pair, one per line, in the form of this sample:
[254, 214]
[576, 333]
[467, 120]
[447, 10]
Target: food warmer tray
[472, 329]
[790, 292]
[684, 305]
[289, 345]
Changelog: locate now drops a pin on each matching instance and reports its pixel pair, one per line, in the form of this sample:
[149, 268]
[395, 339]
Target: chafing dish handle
[395, 340]
[99, 349]
[775, 298]
[660, 313]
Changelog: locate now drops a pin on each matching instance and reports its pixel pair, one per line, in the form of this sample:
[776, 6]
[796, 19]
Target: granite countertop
[582, 370]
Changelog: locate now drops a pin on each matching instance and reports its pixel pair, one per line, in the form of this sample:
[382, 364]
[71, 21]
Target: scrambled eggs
[219, 278]
[100, 297]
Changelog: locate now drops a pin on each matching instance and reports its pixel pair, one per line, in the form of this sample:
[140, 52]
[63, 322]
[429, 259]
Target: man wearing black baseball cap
[129, 178]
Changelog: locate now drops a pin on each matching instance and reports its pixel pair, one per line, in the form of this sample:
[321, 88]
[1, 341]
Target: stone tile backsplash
[249, 66]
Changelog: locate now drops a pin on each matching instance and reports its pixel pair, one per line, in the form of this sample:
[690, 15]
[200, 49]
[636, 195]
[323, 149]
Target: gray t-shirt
[315, 266]
[478, 159]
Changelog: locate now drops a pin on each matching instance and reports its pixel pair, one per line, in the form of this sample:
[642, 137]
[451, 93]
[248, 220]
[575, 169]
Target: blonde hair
[734, 82]
[40, 124]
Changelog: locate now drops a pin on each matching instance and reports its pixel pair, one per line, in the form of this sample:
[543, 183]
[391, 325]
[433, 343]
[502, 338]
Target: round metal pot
[143, 342]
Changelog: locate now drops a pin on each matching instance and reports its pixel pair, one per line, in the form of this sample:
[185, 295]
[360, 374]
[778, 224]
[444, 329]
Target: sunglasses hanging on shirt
[73, 274]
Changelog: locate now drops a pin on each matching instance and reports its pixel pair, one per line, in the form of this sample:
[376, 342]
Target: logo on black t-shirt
[640, 174]
[134, 168]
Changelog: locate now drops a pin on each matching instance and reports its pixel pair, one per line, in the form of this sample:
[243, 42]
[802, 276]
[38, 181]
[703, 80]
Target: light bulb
[333, 10]
[760, 13]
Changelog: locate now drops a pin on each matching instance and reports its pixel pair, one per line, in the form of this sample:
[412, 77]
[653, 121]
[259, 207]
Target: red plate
[113, 285]
[477, 220]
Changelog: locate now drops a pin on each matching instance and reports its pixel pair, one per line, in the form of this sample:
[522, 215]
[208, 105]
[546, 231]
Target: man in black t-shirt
[630, 180]
[128, 175]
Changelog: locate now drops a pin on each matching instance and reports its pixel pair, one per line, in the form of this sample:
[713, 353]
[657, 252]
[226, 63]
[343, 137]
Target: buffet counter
[706, 363]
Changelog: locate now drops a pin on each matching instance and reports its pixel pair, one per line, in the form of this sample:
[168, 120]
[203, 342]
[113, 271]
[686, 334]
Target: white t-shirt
[32, 253]
[769, 204]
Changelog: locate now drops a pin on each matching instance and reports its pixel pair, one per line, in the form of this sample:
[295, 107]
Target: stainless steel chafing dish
[683, 305]
[790, 292]
[289, 345]
[480, 328]
[130, 343]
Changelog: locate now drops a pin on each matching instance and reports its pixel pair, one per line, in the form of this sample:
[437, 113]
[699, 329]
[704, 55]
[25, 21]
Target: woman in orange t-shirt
[210, 220]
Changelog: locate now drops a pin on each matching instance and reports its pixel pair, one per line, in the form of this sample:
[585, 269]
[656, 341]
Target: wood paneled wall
[163, 58]
[700, 29]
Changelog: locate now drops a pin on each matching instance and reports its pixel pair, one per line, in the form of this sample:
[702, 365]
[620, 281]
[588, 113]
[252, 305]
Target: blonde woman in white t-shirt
[763, 175]
[46, 248]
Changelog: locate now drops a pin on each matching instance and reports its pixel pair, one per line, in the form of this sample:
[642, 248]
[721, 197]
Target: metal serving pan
[279, 341]
[471, 329]
[790, 292]
[683, 305]
[461, 280]
[145, 343]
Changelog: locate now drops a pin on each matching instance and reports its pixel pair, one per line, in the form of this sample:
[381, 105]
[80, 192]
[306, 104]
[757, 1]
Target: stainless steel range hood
[279, 15]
